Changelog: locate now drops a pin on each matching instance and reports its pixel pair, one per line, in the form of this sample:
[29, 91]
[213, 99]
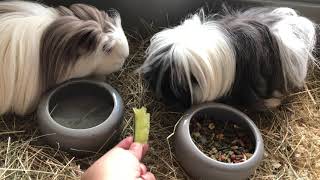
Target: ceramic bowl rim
[81, 132]
[259, 146]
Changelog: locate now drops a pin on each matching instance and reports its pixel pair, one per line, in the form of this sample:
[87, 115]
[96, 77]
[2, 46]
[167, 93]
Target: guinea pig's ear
[115, 16]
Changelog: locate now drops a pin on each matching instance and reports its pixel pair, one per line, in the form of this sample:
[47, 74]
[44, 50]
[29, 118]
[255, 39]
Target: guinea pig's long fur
[42, 46]
[252, 57]
[179, 61]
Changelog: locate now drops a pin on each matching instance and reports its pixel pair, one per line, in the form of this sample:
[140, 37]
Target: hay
[291, 135]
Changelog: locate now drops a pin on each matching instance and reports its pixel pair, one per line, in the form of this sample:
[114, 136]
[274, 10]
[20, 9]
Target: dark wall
[138, 14]
[141, 14]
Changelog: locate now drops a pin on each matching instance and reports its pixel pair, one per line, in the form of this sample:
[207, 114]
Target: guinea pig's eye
[107, 48]
[193, 80]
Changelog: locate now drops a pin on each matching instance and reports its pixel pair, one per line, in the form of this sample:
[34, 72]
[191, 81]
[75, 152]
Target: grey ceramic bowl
[201, 167]
[81, 116]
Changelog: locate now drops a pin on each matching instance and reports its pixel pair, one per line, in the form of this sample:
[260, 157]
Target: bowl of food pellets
[216, 141]
[82, 116]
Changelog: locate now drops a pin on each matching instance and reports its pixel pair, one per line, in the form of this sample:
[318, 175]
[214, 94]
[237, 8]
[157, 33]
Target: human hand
[120, 163]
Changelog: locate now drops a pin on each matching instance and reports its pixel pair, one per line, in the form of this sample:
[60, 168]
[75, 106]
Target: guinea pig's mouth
[119, 63]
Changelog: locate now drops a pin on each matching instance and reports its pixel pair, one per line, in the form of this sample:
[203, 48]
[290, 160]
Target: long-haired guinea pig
[42, 46]
[252, 57]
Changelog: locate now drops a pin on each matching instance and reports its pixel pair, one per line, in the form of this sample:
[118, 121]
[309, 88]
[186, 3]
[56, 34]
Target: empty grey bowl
[200, 166]
[81, 116]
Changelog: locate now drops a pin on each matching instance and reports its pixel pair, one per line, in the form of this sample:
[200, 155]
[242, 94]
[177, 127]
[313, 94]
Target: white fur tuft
[198, 48]
[296, 39]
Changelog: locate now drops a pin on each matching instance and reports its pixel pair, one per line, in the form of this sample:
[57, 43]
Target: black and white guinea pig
[42, 46]
[252, 57]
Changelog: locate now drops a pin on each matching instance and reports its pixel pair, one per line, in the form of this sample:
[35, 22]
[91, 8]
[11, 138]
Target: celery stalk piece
[141, 125]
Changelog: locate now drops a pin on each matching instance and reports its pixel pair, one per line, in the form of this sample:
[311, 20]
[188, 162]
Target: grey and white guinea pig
[250, 57]
[43, 46]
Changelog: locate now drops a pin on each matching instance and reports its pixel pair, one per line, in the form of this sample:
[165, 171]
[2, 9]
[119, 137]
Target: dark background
[137, 15]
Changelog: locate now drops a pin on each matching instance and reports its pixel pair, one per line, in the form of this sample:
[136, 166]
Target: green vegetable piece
[141, 125]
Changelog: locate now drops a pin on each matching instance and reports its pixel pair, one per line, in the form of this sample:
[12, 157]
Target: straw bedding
[291, 135]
